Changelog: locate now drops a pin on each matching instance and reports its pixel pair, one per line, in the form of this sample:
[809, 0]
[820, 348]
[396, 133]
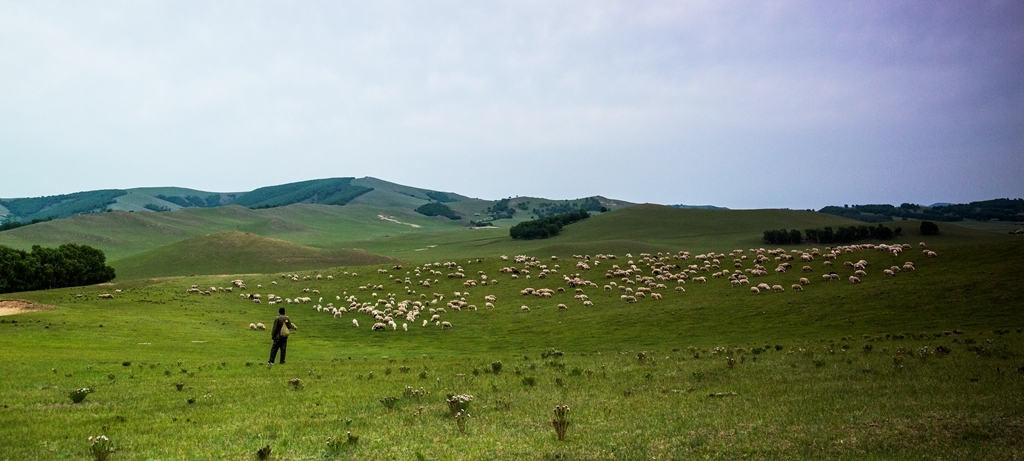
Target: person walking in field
[282, 327]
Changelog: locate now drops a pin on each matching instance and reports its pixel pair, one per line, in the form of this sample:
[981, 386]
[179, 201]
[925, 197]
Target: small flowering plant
[561, 421]
[389, 402]
[457, 403]
[100, 447]
[78, 395]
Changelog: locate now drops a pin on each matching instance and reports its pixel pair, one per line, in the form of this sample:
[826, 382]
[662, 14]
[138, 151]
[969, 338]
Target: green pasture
[838, 371]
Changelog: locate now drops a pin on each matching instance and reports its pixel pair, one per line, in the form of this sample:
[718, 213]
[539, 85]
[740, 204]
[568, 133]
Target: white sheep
[797, 287]
[252, 326]
[260, 326]
[445, 325]
[355, 323]
[854, 279]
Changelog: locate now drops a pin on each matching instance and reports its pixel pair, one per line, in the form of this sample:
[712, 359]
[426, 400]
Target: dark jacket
[281, 320]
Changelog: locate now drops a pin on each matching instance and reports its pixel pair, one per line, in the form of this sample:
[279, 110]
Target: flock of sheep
[647, 276]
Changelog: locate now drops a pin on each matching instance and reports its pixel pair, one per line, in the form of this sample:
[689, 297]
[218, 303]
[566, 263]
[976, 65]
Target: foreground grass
[814, 373]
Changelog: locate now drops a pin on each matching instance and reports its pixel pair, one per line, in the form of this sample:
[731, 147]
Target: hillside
[237, 252]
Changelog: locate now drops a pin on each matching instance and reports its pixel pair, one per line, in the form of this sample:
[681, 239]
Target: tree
[929, 228]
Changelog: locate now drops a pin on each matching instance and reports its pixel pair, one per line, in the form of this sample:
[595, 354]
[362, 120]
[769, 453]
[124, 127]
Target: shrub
[496, 366]
[437, 209]
[100, 447]
[78, 395]
[929, 228]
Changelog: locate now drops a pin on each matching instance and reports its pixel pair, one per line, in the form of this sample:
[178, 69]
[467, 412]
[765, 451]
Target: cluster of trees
[335, 191]
[501, 210]
[437, 209]
[851, 234]
[848, 234]
[546, 227]
[16, 224]
[192, 200]
[545, 209]
[61, 206]
[781, 237]
[1003, 209]
[440, 196]
[68, 265]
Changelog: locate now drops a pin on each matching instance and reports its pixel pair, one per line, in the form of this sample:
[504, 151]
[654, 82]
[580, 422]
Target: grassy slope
[236, 252]
[818, 402]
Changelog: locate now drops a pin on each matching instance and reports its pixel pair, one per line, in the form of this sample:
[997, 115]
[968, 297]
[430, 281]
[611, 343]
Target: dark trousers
[280, 343]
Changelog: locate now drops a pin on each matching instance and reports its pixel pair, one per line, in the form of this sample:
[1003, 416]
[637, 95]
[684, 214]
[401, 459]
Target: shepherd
[282, 327]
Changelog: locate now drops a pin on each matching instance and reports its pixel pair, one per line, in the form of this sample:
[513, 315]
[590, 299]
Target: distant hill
[331, 191]
[699, 207]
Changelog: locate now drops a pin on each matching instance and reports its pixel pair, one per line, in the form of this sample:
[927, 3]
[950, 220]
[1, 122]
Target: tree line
[847, 234]
[546, 227]
[68, 265]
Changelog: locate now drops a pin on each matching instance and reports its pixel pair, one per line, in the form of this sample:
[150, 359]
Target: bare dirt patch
[17, 306]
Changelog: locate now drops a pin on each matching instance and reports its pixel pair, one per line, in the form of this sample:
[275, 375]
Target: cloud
[729, 103]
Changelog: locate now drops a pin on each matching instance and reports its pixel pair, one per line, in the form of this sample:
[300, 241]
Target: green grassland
[838, 371]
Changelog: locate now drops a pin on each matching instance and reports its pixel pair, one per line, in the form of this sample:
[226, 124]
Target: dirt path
[17, 306]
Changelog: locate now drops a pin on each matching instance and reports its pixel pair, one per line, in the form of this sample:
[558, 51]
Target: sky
[777, 104]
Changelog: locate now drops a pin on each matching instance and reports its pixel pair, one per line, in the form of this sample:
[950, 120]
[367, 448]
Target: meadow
[925, 365]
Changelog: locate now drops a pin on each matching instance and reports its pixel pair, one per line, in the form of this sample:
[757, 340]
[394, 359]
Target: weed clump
[561, 421]
[458, 403]
[78, 395]
[100, 447]
[389, 402]
[296, 383]
[496, 366]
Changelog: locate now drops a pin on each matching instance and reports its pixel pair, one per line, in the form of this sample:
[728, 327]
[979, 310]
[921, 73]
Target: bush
[436, 209]
[69, 265]
[929, 228]
[545, 227]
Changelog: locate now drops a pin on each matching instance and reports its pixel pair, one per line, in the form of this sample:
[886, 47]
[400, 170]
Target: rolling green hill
[407, 235]
[237, 252]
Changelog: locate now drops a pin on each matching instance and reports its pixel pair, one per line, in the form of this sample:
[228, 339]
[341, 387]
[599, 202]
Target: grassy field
[838, 371]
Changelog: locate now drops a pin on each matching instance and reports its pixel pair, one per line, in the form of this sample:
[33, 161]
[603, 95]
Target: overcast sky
[736, 104]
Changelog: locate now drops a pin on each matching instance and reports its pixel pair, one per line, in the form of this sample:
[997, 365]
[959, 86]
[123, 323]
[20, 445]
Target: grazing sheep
[355, 323]
[405, 327]
[588, 303]
[860, 273]
[524, 308]
[755, 290]
[778, 288]
[854, 279]
[379, 326]
[446, 325]
[252, 326]
[797, 287]
[889, 273]
[562, 307]
[680, 289]
[260, 326]
[804, 281]
[808, 269]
